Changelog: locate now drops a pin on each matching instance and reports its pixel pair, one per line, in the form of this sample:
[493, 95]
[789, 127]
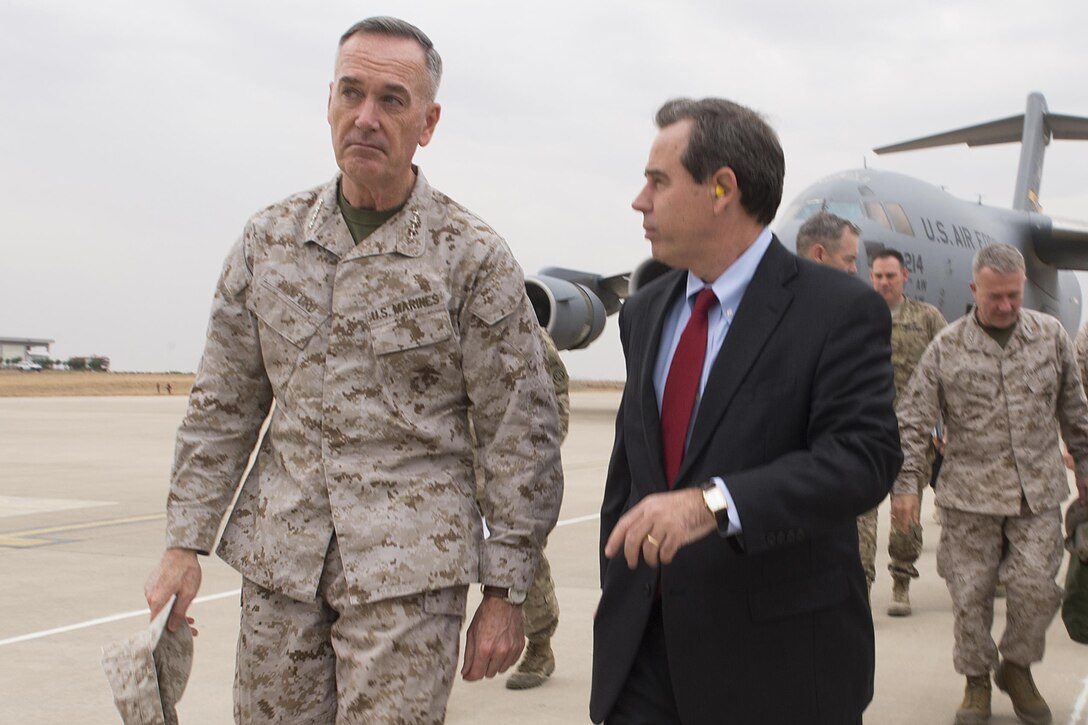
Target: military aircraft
[937, 233]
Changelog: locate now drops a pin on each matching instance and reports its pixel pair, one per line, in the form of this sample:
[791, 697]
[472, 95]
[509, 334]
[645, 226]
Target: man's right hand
[906, 509]
[178, 573]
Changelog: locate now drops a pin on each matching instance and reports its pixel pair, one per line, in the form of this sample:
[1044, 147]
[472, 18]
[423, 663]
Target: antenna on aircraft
[1033, 129]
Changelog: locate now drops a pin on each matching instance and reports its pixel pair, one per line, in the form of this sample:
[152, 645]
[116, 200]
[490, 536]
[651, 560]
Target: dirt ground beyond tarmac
[72, 383]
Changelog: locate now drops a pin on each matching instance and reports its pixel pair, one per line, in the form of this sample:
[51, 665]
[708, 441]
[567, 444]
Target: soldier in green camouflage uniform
[541, 609]
[914, 325]
[1003, 379]
[374, 312]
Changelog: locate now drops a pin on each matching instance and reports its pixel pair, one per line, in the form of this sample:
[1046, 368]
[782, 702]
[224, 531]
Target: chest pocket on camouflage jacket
[419, 358]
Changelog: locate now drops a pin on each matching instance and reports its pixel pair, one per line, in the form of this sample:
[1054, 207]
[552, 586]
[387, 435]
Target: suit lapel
[651, 416]
[760, 311]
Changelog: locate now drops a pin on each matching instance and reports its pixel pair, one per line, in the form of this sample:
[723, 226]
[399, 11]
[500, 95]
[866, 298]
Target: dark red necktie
[682, 384]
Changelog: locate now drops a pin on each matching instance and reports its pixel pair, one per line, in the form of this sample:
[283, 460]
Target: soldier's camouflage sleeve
[918, 411]
[1072, 405]
[229, 401]
[560, 382]
[516, 421]
[1081, 347]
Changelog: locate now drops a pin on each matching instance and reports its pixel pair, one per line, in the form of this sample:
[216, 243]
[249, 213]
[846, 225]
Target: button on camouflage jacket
[373, 355]
[1001, 409]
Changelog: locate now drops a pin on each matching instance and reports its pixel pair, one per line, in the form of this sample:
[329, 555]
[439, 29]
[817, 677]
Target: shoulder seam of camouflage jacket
[373, 354]
[1001, 410]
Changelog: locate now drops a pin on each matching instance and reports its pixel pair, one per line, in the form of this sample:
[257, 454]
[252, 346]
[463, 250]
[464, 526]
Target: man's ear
[433, 114]
[723, 186]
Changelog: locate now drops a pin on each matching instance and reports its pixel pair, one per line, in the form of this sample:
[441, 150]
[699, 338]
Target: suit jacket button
[647, 589]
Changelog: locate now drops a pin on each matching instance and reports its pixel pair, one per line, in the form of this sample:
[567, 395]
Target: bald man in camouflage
[1004, 380]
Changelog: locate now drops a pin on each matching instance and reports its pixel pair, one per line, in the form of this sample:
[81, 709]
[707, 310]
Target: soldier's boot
[975, 707]
[535, 667]
[1017, 683]
[900, 606]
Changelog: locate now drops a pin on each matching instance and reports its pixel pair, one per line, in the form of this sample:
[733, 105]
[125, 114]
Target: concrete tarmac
[83, 485]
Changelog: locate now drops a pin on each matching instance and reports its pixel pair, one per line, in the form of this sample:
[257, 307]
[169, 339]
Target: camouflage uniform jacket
[1001, 409]
[914, 325]
[373, 355]
[1081, 345]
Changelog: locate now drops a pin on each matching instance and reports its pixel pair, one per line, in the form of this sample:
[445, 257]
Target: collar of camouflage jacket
[403, 233]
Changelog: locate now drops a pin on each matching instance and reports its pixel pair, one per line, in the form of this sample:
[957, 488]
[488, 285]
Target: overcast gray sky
[137, 136]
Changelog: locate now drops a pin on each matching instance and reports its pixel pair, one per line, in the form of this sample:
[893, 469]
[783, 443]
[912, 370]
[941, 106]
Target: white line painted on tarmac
[577, 520]
[198, 600]
[107, 620]
[1081, 706]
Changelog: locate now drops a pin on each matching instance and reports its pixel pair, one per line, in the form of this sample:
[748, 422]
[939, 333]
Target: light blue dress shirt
[729, 288]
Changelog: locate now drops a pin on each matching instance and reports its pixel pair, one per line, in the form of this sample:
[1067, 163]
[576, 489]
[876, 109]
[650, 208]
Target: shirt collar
[729, 288]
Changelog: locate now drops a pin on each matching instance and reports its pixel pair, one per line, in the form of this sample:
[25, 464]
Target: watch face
[715, 499]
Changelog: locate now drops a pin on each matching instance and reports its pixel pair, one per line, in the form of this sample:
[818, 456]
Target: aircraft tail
[1033, 129]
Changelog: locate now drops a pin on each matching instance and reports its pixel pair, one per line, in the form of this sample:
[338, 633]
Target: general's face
[380, 110]
[676, 210]
[888, 277]
[845, 256]
[998, 297]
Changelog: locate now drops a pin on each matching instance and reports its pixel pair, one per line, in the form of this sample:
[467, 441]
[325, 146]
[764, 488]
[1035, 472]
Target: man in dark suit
[756, 424]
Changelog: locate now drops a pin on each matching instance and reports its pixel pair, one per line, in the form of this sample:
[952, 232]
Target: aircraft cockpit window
[846, 209]
[899, 219]
[875, 211]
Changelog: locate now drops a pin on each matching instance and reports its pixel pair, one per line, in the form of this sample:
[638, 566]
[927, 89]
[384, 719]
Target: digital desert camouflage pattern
[1001, 408]
[1081, 347]
[390, 662]
[540, 612]
[914, 325]
[969, 559]
[867, 534]
[373, 355]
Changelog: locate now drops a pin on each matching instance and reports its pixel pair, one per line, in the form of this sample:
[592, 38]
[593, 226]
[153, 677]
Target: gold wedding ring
[652, 540]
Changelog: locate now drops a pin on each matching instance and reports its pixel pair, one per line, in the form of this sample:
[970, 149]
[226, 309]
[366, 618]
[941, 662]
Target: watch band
[508, 595]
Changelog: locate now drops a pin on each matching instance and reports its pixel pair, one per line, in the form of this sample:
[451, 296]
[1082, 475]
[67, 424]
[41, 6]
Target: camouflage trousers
[867, 544]
[969, 559]
[331, 661]
[540, 614]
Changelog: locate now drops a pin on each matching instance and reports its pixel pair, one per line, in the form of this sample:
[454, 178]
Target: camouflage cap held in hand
[148, 672]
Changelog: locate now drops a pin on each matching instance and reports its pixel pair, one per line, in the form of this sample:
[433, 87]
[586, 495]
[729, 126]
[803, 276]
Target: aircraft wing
[1005, 130]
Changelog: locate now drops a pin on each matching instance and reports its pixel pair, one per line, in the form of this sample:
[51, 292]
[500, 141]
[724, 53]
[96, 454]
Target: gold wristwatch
[716, 503]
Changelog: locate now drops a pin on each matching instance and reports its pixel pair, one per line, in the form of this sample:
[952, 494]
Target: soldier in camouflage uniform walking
[375, 312]
[541, 609]
[1003, 379]
[914, 325]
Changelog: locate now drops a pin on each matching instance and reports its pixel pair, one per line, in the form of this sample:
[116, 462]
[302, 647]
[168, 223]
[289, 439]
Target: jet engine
[572, 305]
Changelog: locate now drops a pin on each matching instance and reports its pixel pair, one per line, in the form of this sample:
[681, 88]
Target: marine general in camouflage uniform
[914, 325]
[1004, 380]
[366, 317]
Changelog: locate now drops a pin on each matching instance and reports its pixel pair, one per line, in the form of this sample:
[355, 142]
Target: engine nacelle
[571, 313]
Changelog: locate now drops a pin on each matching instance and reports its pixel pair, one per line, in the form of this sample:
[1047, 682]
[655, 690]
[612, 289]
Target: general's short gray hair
[824, 228]
[397, 28]
[1001, 258]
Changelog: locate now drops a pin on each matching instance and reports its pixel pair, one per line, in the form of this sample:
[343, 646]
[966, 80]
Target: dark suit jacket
[772, 626]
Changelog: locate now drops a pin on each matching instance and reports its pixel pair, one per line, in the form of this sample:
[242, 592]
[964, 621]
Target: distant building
[20, 347]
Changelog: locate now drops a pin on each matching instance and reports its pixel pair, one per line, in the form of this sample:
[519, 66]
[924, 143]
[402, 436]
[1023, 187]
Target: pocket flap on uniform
[282, 314]
[407, 331]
